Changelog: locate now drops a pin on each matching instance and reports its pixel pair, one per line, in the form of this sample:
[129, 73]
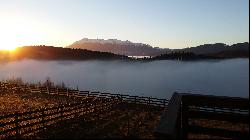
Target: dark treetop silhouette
[208, 51]
[57, 53]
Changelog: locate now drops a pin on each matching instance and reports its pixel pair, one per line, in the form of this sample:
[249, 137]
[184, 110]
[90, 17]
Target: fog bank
[157, 79]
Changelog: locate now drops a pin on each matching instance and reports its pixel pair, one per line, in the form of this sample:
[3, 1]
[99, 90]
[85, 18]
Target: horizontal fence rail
[218, 108]
[91, 102]
[176, 122]
[76, 93]
[29, 122]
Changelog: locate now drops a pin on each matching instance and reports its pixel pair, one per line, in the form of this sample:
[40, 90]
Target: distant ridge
[129, 48]
[208, 51]
[216, 48]
[118, 47]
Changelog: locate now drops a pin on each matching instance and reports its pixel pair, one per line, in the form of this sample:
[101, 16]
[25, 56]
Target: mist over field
[157, 78]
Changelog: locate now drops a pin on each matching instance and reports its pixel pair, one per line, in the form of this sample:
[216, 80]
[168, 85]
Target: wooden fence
[28, 123]
[176, 122]
[151, 101]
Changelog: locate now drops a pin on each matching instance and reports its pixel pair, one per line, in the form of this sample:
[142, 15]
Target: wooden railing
[176, 121]
[227, 109]
[28, 123]
[80, 94]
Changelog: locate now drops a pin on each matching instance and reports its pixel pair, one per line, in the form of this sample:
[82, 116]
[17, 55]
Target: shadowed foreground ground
[121, 120]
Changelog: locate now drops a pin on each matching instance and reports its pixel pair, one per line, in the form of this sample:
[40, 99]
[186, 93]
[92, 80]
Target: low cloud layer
[156, 79]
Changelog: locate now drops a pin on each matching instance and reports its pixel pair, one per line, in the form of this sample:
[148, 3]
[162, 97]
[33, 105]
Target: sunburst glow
[7, 48]
[8, 39]
[8, 43]
[16, 32]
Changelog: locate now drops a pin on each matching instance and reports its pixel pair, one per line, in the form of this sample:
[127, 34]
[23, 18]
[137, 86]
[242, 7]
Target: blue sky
[160, 23]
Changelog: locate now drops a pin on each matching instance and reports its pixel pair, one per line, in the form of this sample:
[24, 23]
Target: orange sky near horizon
[17, 31]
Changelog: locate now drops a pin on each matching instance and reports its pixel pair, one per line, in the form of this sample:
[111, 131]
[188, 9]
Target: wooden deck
[203, 114]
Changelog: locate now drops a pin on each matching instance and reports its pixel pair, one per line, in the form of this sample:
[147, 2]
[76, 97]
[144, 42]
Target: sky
[159, 23]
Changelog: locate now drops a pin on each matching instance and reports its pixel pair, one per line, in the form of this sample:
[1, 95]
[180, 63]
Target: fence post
[135, 100]
[102, 105]
[48, 90]
[164, 103]
[78, 92]
[149, 103]
[122, 98]
[38, 89]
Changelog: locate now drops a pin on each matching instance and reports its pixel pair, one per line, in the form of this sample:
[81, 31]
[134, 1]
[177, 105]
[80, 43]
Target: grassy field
[122, 121]
[21, 102]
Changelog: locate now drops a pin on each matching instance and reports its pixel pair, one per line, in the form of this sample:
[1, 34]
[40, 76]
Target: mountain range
[139, 49]
[113, 49]
[216, 48]
[118, 47]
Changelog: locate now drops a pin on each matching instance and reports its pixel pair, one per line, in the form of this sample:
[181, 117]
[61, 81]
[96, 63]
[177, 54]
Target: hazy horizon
[161, 23]
[128, 40]
[157, 78]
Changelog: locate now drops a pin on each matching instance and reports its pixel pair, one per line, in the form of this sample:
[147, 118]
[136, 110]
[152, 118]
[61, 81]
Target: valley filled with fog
[156, 78]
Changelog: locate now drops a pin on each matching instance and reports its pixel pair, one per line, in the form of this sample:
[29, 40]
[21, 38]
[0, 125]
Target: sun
[7, 48]
[16, 32]
[8, 44]
[8, 38]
